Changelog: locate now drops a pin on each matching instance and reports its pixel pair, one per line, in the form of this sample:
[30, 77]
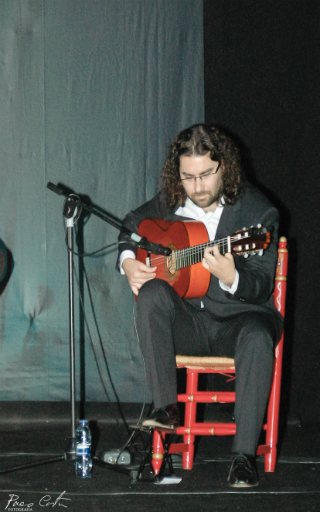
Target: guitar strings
[186, 257]
[194, 250]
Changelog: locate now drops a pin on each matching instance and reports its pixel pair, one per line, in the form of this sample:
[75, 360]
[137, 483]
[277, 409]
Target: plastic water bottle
[83, 450]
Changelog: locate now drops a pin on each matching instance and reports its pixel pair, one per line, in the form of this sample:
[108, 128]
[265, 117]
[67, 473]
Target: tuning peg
[245, 255]
[258, 225]
[260, 252]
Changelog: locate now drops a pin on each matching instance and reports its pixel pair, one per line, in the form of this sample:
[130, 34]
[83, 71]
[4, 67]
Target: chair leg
[158, 451]
[270, 460]
[189, 419]
[273, 420]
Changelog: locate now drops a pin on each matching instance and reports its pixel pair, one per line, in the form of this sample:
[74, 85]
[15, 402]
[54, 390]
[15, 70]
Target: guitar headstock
[250, 240]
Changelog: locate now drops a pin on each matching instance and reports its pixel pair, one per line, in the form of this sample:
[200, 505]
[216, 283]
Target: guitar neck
[192, 255]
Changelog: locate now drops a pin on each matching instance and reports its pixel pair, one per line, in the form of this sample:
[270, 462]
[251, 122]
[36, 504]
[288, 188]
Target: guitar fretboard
[192, 255]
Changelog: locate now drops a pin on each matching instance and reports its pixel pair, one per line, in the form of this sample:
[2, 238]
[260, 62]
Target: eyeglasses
[203, 177]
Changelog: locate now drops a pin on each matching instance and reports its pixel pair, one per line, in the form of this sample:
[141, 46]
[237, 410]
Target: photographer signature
[45, 501]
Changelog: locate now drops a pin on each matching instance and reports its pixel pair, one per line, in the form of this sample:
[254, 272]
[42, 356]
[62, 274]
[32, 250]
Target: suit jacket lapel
[229, 221]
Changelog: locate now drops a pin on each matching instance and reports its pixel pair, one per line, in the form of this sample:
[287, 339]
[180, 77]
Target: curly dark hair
[198, 140]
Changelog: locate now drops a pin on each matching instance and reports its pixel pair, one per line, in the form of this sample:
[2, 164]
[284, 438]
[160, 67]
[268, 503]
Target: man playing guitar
[234, 316]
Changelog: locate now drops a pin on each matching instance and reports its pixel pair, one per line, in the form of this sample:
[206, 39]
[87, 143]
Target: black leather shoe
[243, 471]
[165, 417]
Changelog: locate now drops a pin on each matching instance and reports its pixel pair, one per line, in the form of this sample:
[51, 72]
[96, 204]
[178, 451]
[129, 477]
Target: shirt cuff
[234, 286]
[124, 255]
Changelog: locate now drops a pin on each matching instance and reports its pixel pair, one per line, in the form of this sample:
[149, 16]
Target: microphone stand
[71, 212]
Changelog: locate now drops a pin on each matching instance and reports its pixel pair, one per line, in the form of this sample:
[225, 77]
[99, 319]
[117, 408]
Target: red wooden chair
[225, 366]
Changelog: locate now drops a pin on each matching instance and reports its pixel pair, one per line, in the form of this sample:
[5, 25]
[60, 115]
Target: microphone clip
[150, 247]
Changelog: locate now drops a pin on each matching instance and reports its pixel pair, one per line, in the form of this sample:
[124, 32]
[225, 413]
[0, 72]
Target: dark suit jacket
[256, 273]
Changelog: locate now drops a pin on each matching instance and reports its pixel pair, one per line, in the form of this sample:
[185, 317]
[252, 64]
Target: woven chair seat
[219, 363]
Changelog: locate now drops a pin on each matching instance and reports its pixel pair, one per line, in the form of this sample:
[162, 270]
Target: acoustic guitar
[187, 240]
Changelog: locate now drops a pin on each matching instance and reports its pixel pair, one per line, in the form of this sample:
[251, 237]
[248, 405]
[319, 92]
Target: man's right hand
[137, 273]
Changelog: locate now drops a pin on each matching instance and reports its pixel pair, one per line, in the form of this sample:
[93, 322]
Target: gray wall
[91, 93]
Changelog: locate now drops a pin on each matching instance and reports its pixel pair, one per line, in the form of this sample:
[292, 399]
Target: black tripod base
[69, 455]
[33, 464]
[69, 458]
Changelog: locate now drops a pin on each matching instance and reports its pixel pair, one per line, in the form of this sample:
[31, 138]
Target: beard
[206, 198]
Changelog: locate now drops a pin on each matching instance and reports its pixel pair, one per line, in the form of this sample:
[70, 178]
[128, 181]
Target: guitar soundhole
[171, 264]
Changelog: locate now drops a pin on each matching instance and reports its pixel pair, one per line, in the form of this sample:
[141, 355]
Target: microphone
[143, 243]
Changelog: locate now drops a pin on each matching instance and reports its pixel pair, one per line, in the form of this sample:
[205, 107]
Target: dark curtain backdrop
[262, 80]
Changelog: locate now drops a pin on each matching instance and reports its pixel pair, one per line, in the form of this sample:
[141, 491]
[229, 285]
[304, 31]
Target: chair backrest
[280, 303]
[281, 276]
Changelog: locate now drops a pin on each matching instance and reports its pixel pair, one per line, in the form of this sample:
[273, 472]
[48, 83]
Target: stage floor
[31, 432]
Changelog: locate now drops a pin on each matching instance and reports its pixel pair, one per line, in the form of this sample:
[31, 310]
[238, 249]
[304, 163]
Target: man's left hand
[222, 267]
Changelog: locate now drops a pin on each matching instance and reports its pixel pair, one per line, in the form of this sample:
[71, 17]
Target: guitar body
[189, 282]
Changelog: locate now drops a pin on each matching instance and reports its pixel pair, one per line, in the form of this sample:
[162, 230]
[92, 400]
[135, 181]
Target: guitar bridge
[172, 263]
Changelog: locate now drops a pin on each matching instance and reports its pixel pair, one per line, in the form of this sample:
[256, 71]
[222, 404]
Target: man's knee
[153, 293]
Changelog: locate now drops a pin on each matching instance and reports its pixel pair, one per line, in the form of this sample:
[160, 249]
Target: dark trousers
[168, 325]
